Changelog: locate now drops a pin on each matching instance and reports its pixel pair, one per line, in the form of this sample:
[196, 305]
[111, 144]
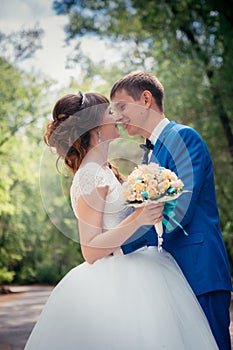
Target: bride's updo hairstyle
[69, 131]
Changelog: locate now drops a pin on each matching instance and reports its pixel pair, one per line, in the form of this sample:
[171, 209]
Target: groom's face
[129, 112]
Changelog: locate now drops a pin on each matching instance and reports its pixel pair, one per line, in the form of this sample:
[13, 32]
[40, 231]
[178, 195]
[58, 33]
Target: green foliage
[30, 244]
[6, 276]
[47, 272]
[27, 275]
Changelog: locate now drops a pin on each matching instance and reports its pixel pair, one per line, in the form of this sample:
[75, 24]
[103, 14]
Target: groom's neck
[151, 121]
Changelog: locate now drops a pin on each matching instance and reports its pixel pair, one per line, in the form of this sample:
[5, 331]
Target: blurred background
[50, 48]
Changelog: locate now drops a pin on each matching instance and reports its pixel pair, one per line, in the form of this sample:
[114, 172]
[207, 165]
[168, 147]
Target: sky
[51, 60]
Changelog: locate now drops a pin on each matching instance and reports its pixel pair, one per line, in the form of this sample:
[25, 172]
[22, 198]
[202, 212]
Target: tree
[32, 249]
[19, 110]
[18, 46]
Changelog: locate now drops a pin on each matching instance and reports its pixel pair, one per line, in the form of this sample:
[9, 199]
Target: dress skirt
[139, 301]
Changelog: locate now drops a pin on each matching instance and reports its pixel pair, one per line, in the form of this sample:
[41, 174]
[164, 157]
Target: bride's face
[109, 128]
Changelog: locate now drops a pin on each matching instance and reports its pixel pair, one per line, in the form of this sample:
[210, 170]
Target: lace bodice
[91, 176]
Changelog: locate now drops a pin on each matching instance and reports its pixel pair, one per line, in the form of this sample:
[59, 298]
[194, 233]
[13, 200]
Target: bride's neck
[97, 153]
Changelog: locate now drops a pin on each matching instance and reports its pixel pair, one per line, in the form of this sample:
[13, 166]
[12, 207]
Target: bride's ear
[146, 98]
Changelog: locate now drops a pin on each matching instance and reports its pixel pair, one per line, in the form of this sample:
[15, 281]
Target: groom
[138, 100]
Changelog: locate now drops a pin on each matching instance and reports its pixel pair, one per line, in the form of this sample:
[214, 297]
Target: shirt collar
[158, 130]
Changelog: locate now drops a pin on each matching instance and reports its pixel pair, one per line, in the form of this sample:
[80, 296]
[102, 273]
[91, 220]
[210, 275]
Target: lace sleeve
[87, 179]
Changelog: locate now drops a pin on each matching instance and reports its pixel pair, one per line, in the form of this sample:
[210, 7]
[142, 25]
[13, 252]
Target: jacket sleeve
[188, 156]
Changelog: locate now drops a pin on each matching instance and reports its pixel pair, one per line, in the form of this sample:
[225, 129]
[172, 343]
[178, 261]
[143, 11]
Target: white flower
[150, 182]
[137, 173]
[163, 186]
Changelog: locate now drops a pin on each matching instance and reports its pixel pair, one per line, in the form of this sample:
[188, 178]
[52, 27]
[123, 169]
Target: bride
[112, 301]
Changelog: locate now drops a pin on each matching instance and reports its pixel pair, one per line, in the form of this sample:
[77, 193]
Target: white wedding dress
[139, 301]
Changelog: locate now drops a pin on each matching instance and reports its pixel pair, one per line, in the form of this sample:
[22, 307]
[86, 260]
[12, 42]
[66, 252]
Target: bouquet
[149, 183]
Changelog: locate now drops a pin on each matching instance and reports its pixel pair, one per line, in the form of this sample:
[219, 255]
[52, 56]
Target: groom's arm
[144, 236]
[189, 158]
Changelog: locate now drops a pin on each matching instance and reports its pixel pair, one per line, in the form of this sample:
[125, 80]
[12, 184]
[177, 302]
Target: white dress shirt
[158, 130]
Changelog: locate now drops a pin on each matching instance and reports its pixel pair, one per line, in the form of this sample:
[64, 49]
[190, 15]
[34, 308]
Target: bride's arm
[97, 243]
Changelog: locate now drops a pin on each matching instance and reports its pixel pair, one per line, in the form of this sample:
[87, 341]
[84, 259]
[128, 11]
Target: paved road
[18, 314]
[20, 311]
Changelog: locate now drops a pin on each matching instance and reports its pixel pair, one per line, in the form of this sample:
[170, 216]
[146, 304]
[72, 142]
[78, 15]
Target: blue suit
[201, 255]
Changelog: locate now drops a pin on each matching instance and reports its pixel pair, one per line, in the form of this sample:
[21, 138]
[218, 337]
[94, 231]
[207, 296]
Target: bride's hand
[150, 214]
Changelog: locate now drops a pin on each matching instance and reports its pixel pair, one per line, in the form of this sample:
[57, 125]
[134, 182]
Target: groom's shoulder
[186, 133]
[183, 129]
[178, 126]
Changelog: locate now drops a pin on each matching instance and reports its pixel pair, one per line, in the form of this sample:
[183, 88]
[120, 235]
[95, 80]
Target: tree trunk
[225, 121]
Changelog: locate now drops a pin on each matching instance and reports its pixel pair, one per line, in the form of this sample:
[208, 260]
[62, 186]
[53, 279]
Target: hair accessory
[62, 116]
[83, 97]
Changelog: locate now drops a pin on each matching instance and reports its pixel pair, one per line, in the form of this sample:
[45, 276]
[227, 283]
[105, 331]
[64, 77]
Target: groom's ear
[146, 98]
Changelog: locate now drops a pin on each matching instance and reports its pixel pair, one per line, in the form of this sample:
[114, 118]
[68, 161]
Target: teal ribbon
[169, 211]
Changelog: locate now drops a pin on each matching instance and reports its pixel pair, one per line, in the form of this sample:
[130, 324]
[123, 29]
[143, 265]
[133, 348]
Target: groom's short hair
[136, 82]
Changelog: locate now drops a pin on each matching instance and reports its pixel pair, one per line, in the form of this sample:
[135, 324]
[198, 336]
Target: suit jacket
[201, 255]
